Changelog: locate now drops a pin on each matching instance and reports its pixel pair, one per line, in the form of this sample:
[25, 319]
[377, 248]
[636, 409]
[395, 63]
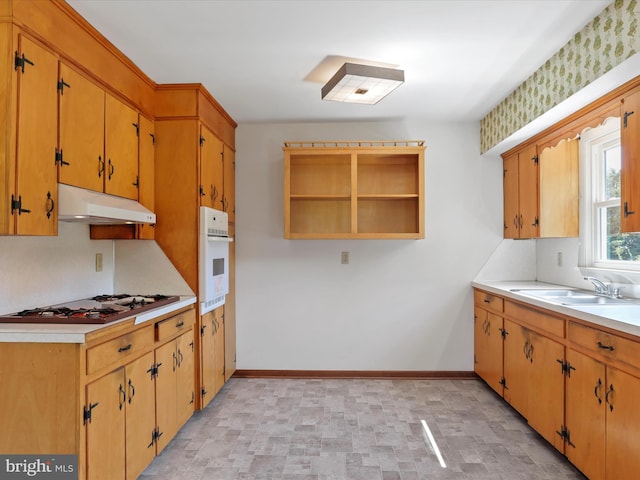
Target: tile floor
[297, 429]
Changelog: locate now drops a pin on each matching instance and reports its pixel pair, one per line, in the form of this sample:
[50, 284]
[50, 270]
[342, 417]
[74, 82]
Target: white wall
[399, 305]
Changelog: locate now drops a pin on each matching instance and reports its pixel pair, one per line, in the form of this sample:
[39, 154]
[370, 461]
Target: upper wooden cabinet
[354, 190]
[211, 169]
[121, 149]
[28, 183]
[521, 218]
[630, 172]
[146, 160]
[98, 138]
[81, 152]
[541, 191]
[229, 196]
[99, 95]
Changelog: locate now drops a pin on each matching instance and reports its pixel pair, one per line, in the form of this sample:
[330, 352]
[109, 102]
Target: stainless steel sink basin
[569, 296]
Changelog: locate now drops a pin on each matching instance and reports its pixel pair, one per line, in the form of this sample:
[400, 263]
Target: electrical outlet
[559, 259]
[344, 258]
[98, 262]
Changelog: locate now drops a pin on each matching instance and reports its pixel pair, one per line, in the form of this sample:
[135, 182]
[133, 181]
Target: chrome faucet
[601, 287]
[606, 289]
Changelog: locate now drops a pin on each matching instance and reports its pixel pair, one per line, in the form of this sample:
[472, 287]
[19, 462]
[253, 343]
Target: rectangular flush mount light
[356, 83]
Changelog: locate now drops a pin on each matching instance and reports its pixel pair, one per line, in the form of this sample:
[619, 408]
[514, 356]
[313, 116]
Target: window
[606, 246]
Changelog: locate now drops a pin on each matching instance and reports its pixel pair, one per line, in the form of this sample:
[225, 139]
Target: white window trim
[592, 142]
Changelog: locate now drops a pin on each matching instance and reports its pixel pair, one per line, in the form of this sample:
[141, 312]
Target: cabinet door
[167, 362]
[510, 193]
[493, 358]
[37, 131]
[545, 410]
[622, 425]
[528, 191]
[106, 429]
[218, 333]
[121, 149]
[81, 124]
[211, 169]
[585, 414]
[630, 181]
[480, 346]
[212, 346]
[146, 189]
[140, 415]
[185, 381]
[229, 197]
[517, 345]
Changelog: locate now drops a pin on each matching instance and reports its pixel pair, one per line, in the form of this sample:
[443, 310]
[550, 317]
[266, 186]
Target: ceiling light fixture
[356, 83]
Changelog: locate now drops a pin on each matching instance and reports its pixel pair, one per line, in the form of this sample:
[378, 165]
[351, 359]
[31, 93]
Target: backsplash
[608, 40]
[39, 271]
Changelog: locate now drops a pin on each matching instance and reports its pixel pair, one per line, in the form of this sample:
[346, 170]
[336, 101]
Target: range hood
[85, 206]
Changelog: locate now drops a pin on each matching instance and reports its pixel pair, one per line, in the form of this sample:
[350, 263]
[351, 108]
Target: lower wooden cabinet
[603, 420]
[175, 394]
[116, 411]
[488, 348]
[585, 414]
[575, 384]
[120, 440]
[213, 354]
[106, 427]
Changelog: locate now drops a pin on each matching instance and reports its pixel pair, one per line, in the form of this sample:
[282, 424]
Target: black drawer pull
[124, 349]
[605, 347]
[181, 324]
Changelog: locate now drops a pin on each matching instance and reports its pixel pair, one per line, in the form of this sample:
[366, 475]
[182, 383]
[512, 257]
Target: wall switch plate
[98, 262]
[344, 258]
[559, 259]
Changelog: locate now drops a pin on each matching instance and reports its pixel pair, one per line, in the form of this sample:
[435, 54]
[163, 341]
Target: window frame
[593, 143]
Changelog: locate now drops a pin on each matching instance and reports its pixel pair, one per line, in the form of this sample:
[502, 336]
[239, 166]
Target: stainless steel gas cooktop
[99, 309]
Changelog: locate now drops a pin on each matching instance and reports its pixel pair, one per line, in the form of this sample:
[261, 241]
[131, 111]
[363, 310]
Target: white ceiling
[260, 59]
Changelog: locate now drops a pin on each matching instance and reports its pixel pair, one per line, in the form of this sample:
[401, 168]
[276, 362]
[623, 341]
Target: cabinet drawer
[607, 344]
[174, 325]
[111, 352]
[488, 300]
[536, 320]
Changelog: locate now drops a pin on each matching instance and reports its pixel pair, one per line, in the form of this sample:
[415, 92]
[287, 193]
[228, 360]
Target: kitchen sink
[566, 296]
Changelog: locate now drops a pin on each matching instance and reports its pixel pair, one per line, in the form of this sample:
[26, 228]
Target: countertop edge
[504, 289]
[76, 333]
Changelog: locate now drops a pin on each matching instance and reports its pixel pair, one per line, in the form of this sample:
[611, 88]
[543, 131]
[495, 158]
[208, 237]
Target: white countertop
[75, 333]
[624, 318]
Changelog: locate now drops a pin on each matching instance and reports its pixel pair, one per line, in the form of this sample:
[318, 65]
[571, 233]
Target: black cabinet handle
[606, 397]
[111, 169]
[605, 347]
[100, 166]
[123, 394]
[124, 349]
[52, 203]
[595, 391]
[627, 212]
[132, 390]
[180, 324]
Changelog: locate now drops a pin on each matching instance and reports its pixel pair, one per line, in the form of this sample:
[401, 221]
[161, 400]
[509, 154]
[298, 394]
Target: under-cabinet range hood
[85, 206]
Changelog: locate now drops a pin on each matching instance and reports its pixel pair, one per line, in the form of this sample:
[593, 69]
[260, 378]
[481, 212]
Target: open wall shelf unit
[354, 189]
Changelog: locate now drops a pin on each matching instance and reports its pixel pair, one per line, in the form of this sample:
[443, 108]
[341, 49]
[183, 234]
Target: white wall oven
[214, 258]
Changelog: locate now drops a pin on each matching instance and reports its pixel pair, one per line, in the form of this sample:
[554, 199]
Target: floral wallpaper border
[608, 40]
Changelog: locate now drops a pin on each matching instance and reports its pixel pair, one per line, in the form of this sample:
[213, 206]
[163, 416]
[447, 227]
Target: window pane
[611, 164]
[620, 246]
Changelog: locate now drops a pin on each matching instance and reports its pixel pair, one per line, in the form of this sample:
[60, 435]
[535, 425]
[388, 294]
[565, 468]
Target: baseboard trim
[358, 374]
